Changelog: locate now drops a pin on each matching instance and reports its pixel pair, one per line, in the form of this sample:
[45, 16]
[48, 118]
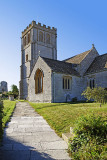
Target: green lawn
[62, 116]
[7, 110]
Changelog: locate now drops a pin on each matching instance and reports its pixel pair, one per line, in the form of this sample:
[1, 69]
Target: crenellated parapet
[39, 26]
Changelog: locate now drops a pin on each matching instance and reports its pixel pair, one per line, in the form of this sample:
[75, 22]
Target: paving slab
[29, 137]
[58, 154]
[15, 155]
[54, 145]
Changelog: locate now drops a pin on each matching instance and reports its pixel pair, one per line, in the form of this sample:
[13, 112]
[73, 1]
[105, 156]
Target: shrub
[74, 99]
[90, 138]
[14, 91]
[92, 126]
[1, 114]
[98, 94]
[90, 151]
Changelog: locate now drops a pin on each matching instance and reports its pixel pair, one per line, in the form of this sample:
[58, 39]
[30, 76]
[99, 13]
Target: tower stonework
[36, 40]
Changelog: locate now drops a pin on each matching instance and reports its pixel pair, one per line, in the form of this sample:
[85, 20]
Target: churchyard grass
[21, 100]
[62, 116]
[7, 110]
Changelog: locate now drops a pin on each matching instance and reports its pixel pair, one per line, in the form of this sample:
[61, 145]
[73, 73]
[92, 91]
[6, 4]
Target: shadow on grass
[79, 102]
[49, 106]
[13, 150]
[37, 106]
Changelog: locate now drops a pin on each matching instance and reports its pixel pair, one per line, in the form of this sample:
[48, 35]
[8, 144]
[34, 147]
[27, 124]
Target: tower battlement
[38, 25]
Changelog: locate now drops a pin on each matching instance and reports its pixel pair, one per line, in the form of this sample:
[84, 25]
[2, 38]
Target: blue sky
[79, 23]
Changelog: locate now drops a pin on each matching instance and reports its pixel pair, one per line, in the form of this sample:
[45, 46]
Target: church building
[43, 78]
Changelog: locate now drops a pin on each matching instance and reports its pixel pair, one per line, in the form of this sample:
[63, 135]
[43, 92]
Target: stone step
[67, 136]
[71, 130]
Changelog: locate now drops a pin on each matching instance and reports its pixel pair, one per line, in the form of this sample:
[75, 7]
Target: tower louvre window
[24, 41]
[41, 36]
[47, 38]
[28, 37]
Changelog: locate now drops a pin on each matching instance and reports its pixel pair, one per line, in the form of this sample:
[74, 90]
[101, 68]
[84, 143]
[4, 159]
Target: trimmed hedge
[1, 114]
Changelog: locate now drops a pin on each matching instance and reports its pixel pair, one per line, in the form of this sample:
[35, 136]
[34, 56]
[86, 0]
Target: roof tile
[99, 64]
[60, 66]
[78, 58]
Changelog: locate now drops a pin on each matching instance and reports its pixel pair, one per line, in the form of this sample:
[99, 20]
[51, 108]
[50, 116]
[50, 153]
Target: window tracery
[28, 37]
[66, 83]
[38, 81]
[47, 38]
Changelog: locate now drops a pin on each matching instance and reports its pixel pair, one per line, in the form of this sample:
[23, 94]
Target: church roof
[99, 64]
[60, 66]
[78, 58]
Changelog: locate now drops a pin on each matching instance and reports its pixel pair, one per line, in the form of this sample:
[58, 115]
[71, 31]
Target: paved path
[29, 137]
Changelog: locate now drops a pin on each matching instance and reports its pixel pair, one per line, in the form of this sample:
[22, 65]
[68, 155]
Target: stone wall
[46, 95]
[23, 85]
[100, 78]
[77, 85]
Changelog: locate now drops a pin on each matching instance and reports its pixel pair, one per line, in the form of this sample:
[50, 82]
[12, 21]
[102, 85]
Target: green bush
[90, 151]
[90, 138]
[92, 126]
[1, 114]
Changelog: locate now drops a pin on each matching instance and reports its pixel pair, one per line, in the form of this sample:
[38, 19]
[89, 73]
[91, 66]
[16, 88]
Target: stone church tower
[36, 41]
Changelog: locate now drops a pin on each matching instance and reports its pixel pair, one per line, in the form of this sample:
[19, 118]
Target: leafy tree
[10, 93]
[14, 90]
[98, 94]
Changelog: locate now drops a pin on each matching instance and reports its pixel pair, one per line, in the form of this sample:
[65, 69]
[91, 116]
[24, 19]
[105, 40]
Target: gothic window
[47, 38]
[24, 41]
[66, 83]
[28, 37]
[63, 83]
[26, 57]
[38, 81]
[41, 36]
[92, 83]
